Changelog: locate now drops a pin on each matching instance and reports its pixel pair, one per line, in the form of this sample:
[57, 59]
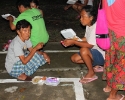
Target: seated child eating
[89, 54]
[20, 64]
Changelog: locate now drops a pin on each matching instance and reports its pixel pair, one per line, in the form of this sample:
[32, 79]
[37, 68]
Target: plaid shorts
[19, 68]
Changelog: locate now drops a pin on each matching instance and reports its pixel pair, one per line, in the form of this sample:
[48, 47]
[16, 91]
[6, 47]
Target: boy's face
[21, 8]
[85, 19]
[24, 33]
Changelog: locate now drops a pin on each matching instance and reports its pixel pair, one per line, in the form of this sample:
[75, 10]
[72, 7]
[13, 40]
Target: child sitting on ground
[90, 54]
[19, 64]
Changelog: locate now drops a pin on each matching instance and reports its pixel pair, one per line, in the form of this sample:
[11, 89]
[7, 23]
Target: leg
[114, 66]
[87, 59]
[114, 96]
[77, 8]
[76, 58]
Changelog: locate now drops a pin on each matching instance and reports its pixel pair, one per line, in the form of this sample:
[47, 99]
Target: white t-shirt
[91, 38]
[16, 48]
[90, 2]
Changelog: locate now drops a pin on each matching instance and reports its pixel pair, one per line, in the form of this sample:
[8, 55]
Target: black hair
[35, 1]
[91, 12]
[96, 4]
[23, 24]
[25, 3]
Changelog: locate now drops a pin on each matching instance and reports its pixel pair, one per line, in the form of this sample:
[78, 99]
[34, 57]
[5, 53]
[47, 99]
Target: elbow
[12, 28]
[24, 63]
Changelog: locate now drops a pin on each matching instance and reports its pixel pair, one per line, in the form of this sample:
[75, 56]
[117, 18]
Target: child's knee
[72, 58]
[84, 51]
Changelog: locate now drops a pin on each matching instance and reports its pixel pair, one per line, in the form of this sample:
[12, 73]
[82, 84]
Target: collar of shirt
[110, 2]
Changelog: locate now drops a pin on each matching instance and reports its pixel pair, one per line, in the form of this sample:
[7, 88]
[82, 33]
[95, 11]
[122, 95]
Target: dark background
[56, 19]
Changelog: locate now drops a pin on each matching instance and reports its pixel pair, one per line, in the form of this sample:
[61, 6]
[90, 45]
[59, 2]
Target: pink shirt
[115, 14]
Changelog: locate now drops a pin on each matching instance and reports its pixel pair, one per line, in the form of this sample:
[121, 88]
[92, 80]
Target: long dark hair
[91, 12]
[96, 4]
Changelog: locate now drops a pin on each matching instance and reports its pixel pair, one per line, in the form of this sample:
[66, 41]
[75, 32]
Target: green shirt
[38, 32]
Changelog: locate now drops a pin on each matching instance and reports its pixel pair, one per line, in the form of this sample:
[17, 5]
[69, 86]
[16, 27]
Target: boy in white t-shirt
[19, 63]
[90, 54]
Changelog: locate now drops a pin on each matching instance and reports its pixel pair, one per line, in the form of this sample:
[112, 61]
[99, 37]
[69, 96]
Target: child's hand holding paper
[8, 17]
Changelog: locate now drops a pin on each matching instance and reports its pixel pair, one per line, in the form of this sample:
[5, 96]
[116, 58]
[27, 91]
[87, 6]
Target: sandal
[115, 99]
[106, 90]
[87, 80]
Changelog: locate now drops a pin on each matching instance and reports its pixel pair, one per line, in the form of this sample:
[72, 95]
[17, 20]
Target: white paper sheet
[6, 15]
[70, 34]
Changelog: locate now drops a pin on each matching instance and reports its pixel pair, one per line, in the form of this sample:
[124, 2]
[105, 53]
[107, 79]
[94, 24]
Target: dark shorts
[97, 57]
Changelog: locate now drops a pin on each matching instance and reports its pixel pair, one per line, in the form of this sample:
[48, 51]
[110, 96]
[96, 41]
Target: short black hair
[23, 24]
[91, 12]
[25, 3]
[35, 1]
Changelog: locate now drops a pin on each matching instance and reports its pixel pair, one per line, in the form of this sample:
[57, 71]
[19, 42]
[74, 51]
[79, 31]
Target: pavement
[61, 67]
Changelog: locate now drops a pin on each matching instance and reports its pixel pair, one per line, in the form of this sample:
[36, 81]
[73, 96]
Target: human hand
[67, 7]
[46, 57]
[10, 18]
[68, 42]
[39, 46]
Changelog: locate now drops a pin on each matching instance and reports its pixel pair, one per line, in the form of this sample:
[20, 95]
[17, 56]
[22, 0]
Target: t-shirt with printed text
[38, 32]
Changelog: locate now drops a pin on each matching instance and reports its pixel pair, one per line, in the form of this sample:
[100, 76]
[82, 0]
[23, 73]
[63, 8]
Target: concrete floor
[61, 67]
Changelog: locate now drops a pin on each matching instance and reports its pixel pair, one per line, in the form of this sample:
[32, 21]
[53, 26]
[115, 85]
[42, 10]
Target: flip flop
[105, 90]
[115, 99]
[87, 80]
[98, 69]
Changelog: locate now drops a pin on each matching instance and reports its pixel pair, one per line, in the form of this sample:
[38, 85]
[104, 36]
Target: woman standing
[115, 57]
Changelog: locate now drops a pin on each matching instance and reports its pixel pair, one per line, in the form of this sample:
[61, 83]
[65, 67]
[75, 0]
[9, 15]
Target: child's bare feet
[24, 77]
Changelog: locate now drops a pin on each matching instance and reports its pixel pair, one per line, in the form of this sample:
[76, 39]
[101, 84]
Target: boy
[34, 16]
[19, 64]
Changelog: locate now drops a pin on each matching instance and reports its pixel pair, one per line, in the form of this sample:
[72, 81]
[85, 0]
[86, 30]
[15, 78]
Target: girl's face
[33, 5]
[24, 33]
[85, 18]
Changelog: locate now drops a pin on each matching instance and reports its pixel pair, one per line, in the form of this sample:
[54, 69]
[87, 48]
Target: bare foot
[22, 76]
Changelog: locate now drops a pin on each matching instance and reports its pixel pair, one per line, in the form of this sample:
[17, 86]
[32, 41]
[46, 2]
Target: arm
[82, 44]
[46, 57]
[41, 12]
[24, 59]
[11, 19]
